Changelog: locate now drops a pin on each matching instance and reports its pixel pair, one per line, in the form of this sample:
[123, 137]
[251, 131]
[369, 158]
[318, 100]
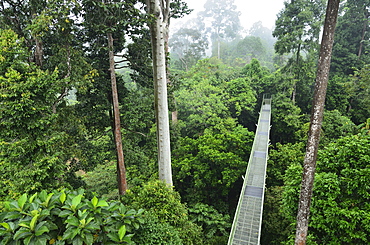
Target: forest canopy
[58, 141]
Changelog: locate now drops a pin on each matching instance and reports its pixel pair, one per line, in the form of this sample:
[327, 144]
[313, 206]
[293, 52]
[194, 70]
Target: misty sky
[251, 11]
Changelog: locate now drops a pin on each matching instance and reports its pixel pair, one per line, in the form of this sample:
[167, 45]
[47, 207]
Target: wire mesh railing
[246, 228]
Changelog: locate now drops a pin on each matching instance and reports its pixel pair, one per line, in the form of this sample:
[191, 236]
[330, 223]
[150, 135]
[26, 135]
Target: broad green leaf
[76, 200]
[27, 240]
[22, 200]
[136, 225]
[46, 203]
[43, 195]
[68, 234]
[94, 201]
[5, 225]
[77, 241]
[21, 234]
[30, 200]
[14, 206]
[89, 220]
[42, 241]
[65, 213]
[140, 211]
[41, 230]
[89, 238]
[113, 236]
[62, 197]
[33, 222]
[12, 215]
[127, 239]
[92, 226]
[131, 212]
[122, 232]
[25, 225]
[73, 221]
[102, 203]
[34, 212]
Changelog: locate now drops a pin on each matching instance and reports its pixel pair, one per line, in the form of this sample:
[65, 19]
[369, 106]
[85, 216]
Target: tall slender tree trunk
[294, 93]
[158, 31]
[121, 170]
[218, 46]
[366, 23]
[38, 52]
[309, 165]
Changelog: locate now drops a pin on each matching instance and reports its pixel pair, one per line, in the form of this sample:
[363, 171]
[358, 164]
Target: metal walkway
[246, 227]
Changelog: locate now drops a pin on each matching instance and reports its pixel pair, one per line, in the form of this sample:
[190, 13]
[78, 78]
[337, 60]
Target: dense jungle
[60, 155]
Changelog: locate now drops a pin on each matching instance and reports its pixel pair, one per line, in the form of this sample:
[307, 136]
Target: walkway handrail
[246, 228]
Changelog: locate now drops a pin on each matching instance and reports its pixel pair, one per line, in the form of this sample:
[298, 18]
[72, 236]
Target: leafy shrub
[165, 216]
[216, 226]
[66, 217]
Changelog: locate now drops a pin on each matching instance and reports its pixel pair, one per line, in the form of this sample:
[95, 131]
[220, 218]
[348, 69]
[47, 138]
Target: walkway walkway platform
[247, 223]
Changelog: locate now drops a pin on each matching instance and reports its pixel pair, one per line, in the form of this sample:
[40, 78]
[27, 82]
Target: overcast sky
[251, 11]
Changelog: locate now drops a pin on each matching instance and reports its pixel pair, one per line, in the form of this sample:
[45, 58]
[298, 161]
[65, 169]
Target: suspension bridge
[246, 228]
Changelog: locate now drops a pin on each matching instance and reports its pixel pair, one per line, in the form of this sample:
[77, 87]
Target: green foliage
[335, 126]
[156, 232]
[211, 93]
[275, 225]
[281, 156]
[37, 147]
[216, 226]
[341, 193]
[66, 217]
[209, 168]
[337, 96]
[241, 97]
[167, 217]
[291, 26]
[286, 120]
[103, 180]
[251, 48]
[351, 47]
[359, 91]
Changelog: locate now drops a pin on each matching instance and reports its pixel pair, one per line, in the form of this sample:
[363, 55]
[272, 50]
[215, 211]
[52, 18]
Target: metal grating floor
[248, 217]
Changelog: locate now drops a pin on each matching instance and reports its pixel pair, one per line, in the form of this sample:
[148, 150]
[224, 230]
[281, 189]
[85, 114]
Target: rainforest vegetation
[58, 154]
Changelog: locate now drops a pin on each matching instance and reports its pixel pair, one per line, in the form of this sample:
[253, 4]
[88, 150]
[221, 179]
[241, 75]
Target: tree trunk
[38, 52]
[294, 93]
[366, 22]
[121, 170]
[218, 47]
[158, 35]
[316, 120]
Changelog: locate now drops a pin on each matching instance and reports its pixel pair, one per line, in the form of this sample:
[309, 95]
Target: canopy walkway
[246, 227]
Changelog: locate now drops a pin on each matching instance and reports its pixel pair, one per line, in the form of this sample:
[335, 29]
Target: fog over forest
[116, 130]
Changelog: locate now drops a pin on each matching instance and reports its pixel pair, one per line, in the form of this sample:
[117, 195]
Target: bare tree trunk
[366, 22]
[160, 9]
[218, 47]
[121, 170]
[38, 52]
[309, 167]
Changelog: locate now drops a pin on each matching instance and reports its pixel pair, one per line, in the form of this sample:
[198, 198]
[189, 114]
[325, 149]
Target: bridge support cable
[246, 228]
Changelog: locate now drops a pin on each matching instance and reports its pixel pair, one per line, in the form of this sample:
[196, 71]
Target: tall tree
[188, 45]
[309, 165]
[160, 10]
[297, 30]
[352, 35]
[37, 146]
[105, 17]
[224, 19]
